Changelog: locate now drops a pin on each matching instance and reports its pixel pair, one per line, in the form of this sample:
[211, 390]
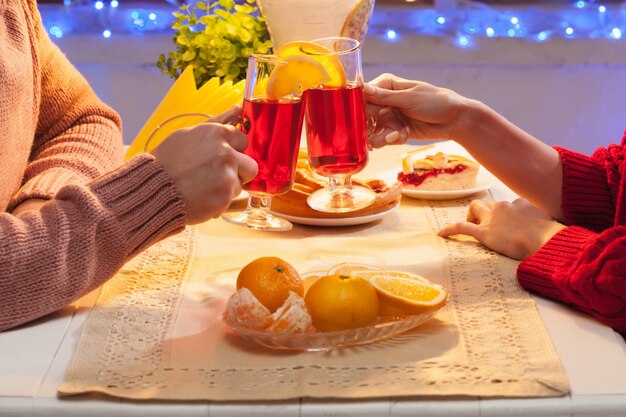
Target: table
[33, 359]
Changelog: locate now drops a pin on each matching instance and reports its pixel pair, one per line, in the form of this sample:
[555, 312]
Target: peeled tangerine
[291, 317]
[247, 311]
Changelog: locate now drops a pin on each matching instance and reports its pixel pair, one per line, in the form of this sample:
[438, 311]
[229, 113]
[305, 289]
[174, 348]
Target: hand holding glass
[273, 127]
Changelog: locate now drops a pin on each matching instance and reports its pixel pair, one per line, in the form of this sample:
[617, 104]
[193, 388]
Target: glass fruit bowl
[384, 328]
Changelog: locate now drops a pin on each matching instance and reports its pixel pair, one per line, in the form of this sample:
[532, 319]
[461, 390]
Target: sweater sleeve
[590, 187]
[82, 237]
[77, 136]
[583, 265]
[584, 269]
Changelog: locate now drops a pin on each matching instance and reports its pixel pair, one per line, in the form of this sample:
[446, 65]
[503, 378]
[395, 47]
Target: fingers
[384, 97]
[460, 228]
[230, 116]
[235, 138]
[391, 128]
[247, 168]
[477, 214]
[478, 210]
[390, 82]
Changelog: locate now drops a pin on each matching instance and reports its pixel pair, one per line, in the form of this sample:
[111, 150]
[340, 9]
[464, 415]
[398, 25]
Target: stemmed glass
[336, 128]
[273, 127]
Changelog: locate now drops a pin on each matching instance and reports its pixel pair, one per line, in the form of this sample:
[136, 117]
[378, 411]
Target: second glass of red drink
[273, 127]
[337, 128]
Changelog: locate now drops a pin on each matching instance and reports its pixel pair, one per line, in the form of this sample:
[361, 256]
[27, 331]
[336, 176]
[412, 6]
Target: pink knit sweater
[585, 264]
[56, 142]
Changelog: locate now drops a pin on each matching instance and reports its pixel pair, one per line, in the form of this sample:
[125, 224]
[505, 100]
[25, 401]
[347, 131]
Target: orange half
[332, 65]
[403, 295]
[299, 73]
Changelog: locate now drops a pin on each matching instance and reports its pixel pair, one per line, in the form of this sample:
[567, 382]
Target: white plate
[344, 221]
[484, 181]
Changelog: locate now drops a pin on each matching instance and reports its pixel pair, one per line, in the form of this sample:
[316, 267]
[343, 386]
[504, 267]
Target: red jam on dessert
[439, 172]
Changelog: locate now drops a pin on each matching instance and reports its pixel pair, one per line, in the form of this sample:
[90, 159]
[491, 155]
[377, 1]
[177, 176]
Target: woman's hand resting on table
[414, 109]
[207, 164]
[516, 229]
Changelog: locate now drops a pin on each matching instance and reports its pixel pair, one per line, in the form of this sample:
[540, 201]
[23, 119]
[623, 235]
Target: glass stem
[337, 182]
[258, 203]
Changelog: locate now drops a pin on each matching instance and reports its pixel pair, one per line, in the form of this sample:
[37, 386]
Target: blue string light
[392, 35]
[460, 20]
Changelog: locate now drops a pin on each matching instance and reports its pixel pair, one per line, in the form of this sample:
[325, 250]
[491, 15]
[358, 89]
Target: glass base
[341, 199]
[258, 219]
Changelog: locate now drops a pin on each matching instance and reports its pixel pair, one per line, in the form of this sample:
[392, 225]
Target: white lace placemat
[156, 331]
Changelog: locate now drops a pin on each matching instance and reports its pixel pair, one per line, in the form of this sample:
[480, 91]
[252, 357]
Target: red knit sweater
[57, 141]
[585, 264]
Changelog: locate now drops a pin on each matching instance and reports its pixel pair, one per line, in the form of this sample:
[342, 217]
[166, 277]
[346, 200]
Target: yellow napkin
[184, 97]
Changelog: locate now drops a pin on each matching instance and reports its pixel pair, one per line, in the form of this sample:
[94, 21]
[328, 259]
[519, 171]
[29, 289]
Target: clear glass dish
[385, 328]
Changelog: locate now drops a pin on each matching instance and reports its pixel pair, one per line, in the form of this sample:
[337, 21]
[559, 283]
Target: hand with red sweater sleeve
[77, 136]
[571, 235]
[583, 265]
[584, 269]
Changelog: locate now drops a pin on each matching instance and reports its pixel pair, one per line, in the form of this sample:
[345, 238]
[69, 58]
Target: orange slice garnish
[336, 73]
[299, 73]
[357, 22]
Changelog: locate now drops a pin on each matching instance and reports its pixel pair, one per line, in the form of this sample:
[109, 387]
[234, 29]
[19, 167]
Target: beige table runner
[156, 331]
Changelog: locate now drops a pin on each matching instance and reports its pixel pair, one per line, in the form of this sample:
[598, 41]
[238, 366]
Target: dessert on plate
[438, 172]
[294, 202]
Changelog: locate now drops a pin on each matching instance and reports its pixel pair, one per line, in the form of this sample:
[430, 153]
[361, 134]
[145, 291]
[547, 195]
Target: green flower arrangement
[216, 37]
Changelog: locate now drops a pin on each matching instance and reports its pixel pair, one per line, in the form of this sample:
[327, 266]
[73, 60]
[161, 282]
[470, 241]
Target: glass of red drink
[337, 129]
[273, 127]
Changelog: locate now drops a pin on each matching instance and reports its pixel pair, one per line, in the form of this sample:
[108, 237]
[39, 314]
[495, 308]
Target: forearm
[78, 240]
[528, 166]
[584, 269]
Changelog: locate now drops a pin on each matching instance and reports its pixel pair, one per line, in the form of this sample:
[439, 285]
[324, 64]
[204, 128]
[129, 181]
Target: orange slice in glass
[299, 73]
[405, 296]
[336, 73]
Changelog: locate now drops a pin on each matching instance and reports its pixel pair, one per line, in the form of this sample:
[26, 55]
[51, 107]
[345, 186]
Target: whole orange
[270, 279]
[340, 302]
